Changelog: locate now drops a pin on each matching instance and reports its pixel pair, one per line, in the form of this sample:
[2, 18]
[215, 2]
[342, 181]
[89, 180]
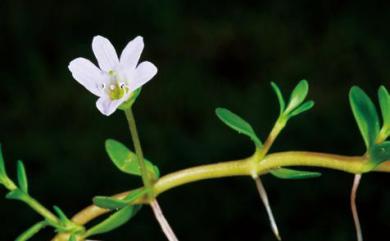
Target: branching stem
[243, 167]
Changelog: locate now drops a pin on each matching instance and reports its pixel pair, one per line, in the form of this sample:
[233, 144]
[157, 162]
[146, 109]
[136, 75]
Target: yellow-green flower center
[116, 89]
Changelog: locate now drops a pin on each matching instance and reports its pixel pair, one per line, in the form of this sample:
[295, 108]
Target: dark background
[209, 54]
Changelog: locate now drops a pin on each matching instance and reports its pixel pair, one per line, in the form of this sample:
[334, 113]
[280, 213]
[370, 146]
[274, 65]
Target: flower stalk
[137, 146]
[166, 228]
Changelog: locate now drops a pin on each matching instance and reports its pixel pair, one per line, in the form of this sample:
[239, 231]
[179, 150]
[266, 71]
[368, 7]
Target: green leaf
[132, 196]
[126, 160]
[302, 108]
[3, 174]
[114, 203]
[62, 216]
[285, 173]
[237, 123]
[22, 177]
[380, 153]
[298, 95]
[130, 102]
[29, 233]
[16, 194]
[278, 92]
[73, 237]
[365, 115]
[114, 221]
[384, 101]
[4, 179]
[109, 202]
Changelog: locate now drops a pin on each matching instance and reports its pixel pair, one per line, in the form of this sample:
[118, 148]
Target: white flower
[117, 78]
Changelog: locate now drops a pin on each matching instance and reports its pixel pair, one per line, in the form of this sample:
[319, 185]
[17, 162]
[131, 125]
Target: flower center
[116, 88]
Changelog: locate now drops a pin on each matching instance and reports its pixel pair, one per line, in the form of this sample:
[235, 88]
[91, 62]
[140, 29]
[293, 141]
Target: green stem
[138, 149]
[31, 231]
[30, 201]
[259, 155]
[39, 208]
[276, 129]
[243, 167]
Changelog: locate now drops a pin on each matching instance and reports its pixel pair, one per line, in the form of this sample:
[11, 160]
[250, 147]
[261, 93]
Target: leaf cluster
[295, 106]
[366, 115]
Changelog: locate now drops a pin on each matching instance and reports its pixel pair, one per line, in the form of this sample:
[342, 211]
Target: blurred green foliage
[209, 54]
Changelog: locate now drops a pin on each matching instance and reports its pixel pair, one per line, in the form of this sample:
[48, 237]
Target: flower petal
[107, 106]
[132, 52]
[105, 53]
[144, 72]
[87, 74]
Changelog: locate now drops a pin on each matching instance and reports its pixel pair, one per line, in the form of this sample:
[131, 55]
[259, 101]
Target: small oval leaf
[380, 153]
[132, 196]
[3, 174]
[279, 95]
[61, 215]
[114, 203]
[109, 202]
[16, 194]
[384, 102]
[72, 237]
[298, 95]
[126, 160]
[114, 221]
[285, 173]
[365, 115]
[302, 108]
[29, 233]
[22, 177]
[238, 124]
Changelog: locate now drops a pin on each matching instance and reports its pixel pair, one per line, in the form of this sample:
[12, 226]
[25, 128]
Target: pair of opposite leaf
[124, 209]
[127, 162]
[367, 118]
[296, 106]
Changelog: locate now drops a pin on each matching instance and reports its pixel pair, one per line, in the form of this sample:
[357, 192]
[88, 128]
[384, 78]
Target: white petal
[87, 74]
[105, 53]
[144, 72]
[107, 106]
[132, 52]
